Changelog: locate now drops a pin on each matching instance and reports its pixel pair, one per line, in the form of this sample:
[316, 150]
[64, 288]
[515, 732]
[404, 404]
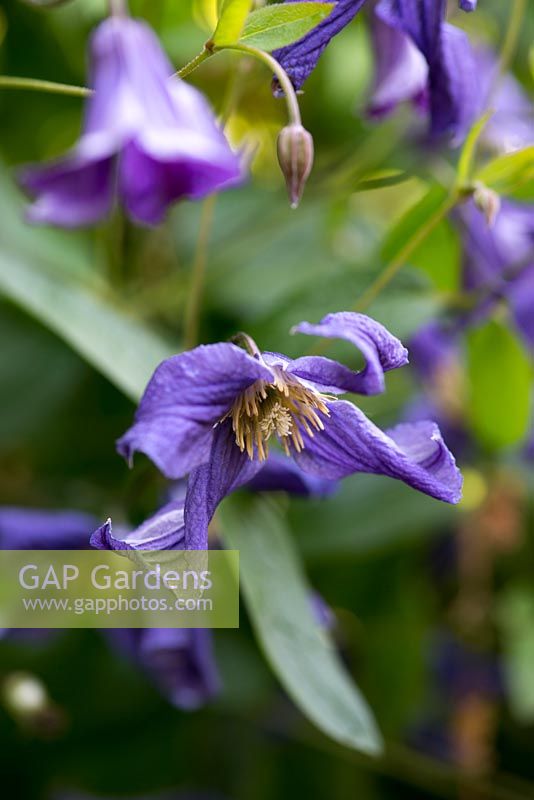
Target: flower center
[280, 409]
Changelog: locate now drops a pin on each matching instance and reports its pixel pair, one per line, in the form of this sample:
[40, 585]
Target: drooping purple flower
[179, 661]
[511, 125]
[148, 138]
[499, 262]
[401, 71]
[300, 58]
[407, 27]
[433, 349]
[213, 411]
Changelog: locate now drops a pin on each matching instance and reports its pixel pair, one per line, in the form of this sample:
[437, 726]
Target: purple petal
[227, 469]
[521, 297]
[181, 664]
[149, 184]
[401, 72]
[71, 192]
[489, 252]
[187, 395]
[323, 614]
[454, 90]
[170, 142]
[432, 349]
[382, 352]
[467, 5]
[414, 453]
[300, 59]
[454, 93]
[281, 474]
[179, 661]
[36, 529]
[511, 125]
[163, 531]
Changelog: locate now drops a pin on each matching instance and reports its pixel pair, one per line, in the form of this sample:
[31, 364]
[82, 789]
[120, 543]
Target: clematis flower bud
[295, 156]
[487, 201]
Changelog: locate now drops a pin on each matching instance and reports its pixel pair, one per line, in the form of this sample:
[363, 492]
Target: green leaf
[279, 25]
[118, 346]
[300, 652]
[375, 530]
[438, 254]
[515, 617]
[47, 274]
[511, 174]
[467, 157]
[412, 221]
[233, 14]
[500, 379]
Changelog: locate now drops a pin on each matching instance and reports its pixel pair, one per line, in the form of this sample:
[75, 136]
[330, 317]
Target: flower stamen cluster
[280, 409]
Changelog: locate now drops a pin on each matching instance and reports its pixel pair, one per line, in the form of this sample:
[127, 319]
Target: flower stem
[391, 269]
[118, 8]
[194, 63]
[512, 35]
[282, 76]
[199, 271]
[36, 85]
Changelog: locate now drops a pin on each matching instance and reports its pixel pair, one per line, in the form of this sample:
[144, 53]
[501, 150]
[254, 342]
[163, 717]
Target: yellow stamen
[281, 408]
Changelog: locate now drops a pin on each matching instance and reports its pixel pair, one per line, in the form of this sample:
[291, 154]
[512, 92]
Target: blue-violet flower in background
[423, 59]
[180, 663]
[149, 138]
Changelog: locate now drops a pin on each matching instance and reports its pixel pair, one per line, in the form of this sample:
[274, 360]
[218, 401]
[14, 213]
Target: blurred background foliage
[428, 599]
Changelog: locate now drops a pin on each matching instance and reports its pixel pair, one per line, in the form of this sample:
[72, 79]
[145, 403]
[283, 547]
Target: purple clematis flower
[149, 138]
[180, 663]
[499, 262]
[421, 58]
[165, 530]
[300, 58]
[213, 411]
[511, 126]
[401, 71]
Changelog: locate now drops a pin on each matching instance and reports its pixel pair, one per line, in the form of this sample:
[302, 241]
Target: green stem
[283, 78]
[36, 85]
[391, 269]
[199, 271]
[194, 63]
[512, 35]
[118, 8]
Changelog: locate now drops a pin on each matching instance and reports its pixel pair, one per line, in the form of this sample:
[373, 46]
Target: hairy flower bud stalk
[295, 156]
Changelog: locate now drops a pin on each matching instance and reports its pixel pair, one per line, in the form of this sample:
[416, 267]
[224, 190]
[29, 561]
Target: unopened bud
[487, 201]
[295, 156]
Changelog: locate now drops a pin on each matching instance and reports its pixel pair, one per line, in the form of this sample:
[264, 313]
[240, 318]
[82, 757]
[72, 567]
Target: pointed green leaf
[511, 174]
[231, 20]
[467, 157]
[300, 652]
[46, 273]
[500, 380]
[279, 25]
